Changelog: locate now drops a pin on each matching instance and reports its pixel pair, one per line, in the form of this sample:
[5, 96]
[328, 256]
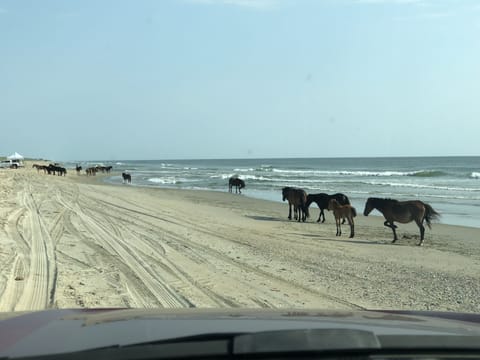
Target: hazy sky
[172, 79]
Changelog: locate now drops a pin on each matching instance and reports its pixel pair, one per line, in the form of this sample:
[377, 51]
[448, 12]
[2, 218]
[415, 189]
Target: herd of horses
[92, 171]
[393, 210]
[51, 169]
[298, 200]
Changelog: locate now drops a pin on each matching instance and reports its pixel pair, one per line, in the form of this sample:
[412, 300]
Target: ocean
[450, 184]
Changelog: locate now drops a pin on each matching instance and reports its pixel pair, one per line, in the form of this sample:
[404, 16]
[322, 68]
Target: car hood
[70, 330]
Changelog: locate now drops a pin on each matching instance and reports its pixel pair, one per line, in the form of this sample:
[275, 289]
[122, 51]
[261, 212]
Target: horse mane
[376, 200]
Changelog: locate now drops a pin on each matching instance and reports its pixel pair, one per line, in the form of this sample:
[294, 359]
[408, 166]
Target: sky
[201, 79]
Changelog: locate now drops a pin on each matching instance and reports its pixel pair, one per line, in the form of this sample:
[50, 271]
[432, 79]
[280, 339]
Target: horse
[343, 212]
[78, 168]
[91, 171]
[322, 201]
[296, 198]
[403, 212]
[126, 178]
[54, 169]
[237, 182]
[40, 167]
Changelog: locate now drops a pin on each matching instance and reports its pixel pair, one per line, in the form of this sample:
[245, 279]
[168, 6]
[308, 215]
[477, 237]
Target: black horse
[78, 168]
[322, 200]
[297, 198]
[54, 169]
[127, 178]
[237, 182]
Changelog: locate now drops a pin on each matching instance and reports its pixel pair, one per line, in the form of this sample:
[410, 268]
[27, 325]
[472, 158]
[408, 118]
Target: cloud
[252, 4]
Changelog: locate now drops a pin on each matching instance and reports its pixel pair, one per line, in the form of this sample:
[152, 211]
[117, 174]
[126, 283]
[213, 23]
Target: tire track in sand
[39, 287]
[136, 270]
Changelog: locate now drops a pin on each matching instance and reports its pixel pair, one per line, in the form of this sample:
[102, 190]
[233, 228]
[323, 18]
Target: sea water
[450, 184]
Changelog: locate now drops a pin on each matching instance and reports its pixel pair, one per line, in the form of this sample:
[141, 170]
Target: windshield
[240, 154]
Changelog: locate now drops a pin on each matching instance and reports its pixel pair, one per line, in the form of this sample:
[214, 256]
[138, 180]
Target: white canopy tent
[15, 156]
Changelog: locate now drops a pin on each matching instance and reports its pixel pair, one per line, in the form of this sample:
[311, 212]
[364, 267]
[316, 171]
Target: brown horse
[322, 201]
[237, 182]
[343, 212]
[298, 199]
[403, 212]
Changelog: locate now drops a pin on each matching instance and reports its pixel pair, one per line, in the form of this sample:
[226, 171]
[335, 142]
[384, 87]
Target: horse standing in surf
[237, 182]
[127, 178]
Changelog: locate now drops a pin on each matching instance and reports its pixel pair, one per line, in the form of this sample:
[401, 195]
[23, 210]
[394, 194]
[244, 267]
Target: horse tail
[354, 212]
[430, 214]
[307, 212]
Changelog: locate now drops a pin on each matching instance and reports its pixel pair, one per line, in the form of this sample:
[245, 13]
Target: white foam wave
[347, 173]
[420, 186]
[164, 181]
[475, 175]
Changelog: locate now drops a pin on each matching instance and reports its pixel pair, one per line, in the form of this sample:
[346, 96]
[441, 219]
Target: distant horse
[41, 167]
[127, 178]
[298, 199]
[403, 212]
[78, 168]
[343, 212]
[322, 201]
[237, 182]
[55, 169]
[91, 171]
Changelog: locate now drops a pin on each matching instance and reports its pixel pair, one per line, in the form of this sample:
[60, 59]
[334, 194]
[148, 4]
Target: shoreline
[80, 242]
[456, 220]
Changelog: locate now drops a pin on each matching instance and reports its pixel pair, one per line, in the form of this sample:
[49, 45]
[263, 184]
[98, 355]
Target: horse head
[369, 206]
[332, 204]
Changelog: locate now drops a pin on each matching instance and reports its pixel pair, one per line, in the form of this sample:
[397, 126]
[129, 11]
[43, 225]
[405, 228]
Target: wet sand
[68, 242]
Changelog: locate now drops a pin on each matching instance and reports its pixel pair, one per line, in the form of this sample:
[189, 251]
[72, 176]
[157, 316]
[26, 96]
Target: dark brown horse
[322, 201]
[402, 212]
[343, 212]
[298, 199]
[127, 178]
[237, 182]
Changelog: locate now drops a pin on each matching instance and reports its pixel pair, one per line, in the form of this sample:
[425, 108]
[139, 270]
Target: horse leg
[422, 232]
[393, 227]
[352, 227]
[289, 211]
[322, 214]
[339, 229]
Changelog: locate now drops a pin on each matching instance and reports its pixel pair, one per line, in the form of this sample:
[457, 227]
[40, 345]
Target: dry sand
[73, 241]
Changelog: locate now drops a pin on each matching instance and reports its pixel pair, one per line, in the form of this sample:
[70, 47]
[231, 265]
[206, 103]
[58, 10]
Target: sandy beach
[74, 241]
